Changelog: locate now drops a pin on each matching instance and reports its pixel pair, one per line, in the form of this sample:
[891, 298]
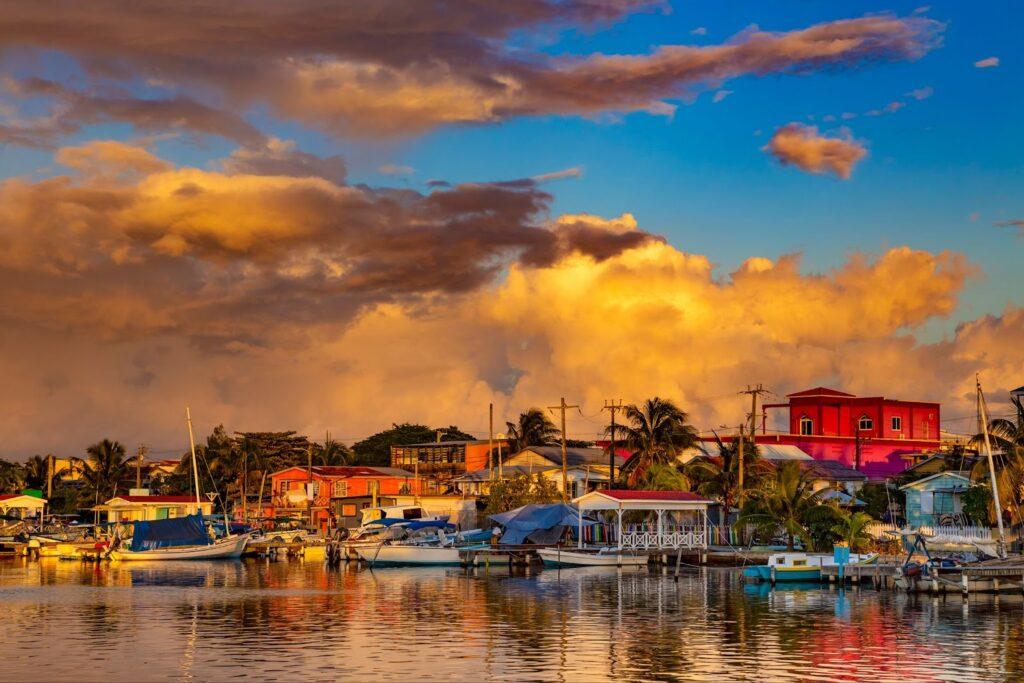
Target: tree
[375, 450]
[331, 452]
[519, 490]
[788, 503]
[665, 478]
[533, 428]
[106, 467]
[37, 470]
[877, 497]
[719, 478]
[853, 529]
[12, 477]
[656, 432]
[272, 451]
[977, 501]
[1007, 439]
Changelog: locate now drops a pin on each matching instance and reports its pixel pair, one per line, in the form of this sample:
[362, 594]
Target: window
[897, 423]
[348, 510]
[865, 423]
[806, 426]
[341, 490]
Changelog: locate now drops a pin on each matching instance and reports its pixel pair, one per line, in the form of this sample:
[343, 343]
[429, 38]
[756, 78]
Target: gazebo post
[618, 531]
[579, 528]
[659, 541]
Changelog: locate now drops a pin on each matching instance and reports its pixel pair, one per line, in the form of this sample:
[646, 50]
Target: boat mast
[192, 447]
[983, 416]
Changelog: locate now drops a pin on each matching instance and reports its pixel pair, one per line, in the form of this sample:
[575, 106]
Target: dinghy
[605, 557]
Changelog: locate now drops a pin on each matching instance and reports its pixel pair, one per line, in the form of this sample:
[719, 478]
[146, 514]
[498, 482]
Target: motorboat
[419, 543]
[799, 566]
[582, 557]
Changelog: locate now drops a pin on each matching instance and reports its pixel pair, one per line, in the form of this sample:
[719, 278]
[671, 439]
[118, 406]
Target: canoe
[222, 549]
[557, 557]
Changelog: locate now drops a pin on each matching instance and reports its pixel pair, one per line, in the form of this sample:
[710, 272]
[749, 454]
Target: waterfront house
[144, 508]
[441, 461]
[322, 491]
[936, 500]
[22, 505]
[869, 434]
[587, 469]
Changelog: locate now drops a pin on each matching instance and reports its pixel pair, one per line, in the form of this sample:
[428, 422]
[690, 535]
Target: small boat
[604, 557]
[409, 555]
[231, 547]
[799, 566]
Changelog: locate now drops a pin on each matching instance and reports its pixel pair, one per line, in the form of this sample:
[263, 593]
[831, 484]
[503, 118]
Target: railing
[955, 534]
[648, 538]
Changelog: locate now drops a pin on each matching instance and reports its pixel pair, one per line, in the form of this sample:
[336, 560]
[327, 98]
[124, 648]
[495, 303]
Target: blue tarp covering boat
[537, 523]
[167, 533]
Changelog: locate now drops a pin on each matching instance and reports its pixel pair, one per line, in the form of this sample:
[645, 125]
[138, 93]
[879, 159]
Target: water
[294, 621]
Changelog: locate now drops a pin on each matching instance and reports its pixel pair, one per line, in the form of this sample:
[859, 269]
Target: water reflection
[289, 620]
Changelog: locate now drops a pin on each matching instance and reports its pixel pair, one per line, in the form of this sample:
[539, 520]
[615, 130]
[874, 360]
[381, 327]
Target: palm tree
[12, 477]
[534, 428]
[657, 431]
[719, 478]
[331, 452]
[789, 503]
[37, 469]
[853, 529]
[666, 478]
[105, 468]
[1007, 439]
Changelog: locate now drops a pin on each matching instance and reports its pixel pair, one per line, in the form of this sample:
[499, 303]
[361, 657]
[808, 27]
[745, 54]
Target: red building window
[865, 424]
[806, 426]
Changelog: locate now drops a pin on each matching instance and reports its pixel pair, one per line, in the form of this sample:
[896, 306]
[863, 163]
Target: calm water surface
[291, 621]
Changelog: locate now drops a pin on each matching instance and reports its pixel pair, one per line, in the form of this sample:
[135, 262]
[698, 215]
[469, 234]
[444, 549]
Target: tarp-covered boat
[184, 538]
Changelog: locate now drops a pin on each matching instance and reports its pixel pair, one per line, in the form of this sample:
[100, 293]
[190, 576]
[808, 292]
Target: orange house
[300, 492]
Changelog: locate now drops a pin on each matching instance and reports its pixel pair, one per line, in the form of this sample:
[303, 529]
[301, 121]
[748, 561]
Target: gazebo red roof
[624, 494]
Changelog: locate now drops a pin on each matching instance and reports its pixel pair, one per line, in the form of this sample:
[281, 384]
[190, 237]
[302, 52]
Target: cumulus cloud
[353, 69]
[987, 63]
[281, 158]
[803, 147]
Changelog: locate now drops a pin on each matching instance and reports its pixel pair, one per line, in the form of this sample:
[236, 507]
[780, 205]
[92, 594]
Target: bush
[521, 489]
[976, 501]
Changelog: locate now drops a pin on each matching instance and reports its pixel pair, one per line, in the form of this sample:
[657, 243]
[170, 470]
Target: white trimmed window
[341, 489]
[897, 423]
[865, 423]
[806, 426]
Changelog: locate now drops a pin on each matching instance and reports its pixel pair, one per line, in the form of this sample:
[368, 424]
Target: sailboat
[184, 538]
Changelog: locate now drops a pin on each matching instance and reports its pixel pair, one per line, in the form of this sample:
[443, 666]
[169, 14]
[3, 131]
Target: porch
[680, 519]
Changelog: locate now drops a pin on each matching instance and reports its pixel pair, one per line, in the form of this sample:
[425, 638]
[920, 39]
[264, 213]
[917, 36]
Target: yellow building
[125, 509]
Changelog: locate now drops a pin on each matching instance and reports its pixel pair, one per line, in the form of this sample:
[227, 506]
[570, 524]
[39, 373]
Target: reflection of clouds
[289, 620]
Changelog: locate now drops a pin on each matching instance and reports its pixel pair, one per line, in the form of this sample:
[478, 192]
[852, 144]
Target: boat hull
[223, 549]
[411, 555]
[554, 557]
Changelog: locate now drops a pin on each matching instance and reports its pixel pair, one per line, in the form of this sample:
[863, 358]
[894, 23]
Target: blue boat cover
[525, 520]
[429, 524]
[386, 521]
[165, 533]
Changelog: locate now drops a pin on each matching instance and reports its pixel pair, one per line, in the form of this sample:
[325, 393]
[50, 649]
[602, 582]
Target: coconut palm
[719, 478]
[656, 432]
[105, 467]
[1007, 439]
[331, 452]
[534, 428]
[12, 477]
[853, 529]
[788, 503]
[36, 469]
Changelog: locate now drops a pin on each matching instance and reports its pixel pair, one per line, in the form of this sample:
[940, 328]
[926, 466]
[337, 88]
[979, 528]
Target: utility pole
[490, 441]
[611, 406]
[739, 492]
[565, 453]
[310, 496]
[754, 393]
[140, 454]
[49, 477]
[983, 419]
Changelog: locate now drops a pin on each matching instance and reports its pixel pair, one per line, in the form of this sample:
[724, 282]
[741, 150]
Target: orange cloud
[803, 147]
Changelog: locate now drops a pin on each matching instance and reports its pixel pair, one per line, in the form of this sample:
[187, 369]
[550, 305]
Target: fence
[646, 537]
[953, 534]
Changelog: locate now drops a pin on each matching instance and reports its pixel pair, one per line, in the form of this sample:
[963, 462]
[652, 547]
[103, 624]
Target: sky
[335, 216]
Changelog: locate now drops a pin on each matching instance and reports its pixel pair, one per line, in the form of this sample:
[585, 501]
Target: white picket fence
[643, 537]
[953, 534]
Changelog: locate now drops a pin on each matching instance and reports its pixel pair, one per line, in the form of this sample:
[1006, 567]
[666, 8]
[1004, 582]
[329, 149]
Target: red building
[870, 434]
[332, 485]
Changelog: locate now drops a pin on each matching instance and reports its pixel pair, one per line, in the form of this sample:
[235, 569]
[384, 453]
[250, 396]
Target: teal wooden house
[936, 500]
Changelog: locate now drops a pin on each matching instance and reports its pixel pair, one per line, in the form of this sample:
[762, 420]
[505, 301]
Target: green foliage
[655, 431]
[375, 451]
[977, 501]
[1006, 437]
[660, 477]
[12, 477]
[107, 468]
[852, 528]
[534, 428]
[69, 498]
[719, 478]
[522, 489]
[788, 503]
[877, 499]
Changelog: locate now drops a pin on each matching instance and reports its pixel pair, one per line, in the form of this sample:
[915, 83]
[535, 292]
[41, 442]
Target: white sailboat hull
[557, 557]
[223, 549]
[406, 555]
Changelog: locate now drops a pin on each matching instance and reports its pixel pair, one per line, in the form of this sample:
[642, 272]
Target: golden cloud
[803, 147]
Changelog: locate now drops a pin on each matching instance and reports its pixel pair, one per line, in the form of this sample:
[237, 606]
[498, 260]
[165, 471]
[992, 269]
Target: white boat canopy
[652, 537]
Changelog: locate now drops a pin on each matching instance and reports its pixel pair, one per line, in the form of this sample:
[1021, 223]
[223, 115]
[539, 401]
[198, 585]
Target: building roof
[509, 470]
[574, 457]
[832, 470]
[820, 391]
[446, 442]
[624, 494]
[36, 500]
[158, 499]
[350, 471]
[915, 484]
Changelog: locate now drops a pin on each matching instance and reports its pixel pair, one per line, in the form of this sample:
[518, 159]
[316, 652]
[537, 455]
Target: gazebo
[689, 530]
[22, 505]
